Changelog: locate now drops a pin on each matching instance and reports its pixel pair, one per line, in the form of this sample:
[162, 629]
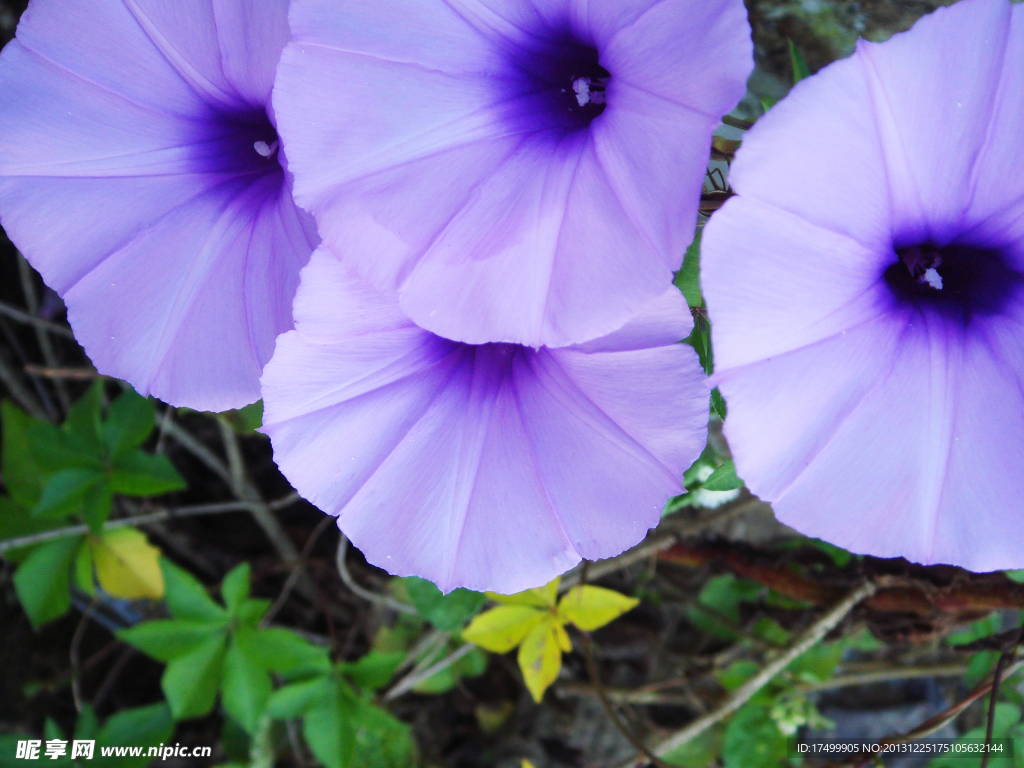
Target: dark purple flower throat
[960, 280]
[561, 82]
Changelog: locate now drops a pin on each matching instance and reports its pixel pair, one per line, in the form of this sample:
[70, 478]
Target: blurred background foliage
[162, 584]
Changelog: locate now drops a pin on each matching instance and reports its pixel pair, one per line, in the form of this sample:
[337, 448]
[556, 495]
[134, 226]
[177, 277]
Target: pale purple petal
[795, 169]
[931, 135]
[132, 179]
[251, 36]
[431, 452]
[452, 162]
[761, 307]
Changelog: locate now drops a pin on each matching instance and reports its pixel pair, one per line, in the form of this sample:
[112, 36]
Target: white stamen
[933, 278]
[265, 150]
[582, 88]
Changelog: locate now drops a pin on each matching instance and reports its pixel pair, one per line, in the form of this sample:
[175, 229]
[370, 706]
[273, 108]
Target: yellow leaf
[540, 657]
[501, 629]
[563, 637]
[527, 763]
[541, 597]
[127, 565]
[592, 607]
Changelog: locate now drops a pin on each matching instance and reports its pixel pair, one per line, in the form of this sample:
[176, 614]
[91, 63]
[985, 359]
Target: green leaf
[251, 611]
[97, 503]
[723, 595]
[83, 571]
[141, 727]
[42, 580]
[752, 740]
[375, 669]
[382, 740]
[700, 340]
[234, 589]
[800, 70]
[979, 666]
[723, 479]
[22, 475]
[87, 724]
[688, 276]
[17, 521]
[446, 612]
[64, 491]
[144, 474]
[82, 426]
[590, 607]
[976, 630]
[190, 682]
[501, 629]
[718, 403]
[294, 699]
[818, 663]
[280, 650]
[328, 731]
[701, 752]
[130, 421]
[246, 420]
[186, 597]
[245, 688]
[736, 674]
[53, 449]
[168, 639]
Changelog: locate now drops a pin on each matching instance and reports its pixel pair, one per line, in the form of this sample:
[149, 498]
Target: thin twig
[76, 671]
[293, 577]
[32, 302]
[997, 678]
[147, 519]
[108, 682]
[9, 378]
[23, 317]
[595, 680]
[415, 677]
[78, 374]
[372, 597]
[743, 694]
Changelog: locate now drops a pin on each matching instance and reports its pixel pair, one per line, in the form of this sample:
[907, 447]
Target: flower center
[960, 280]
[556, 84]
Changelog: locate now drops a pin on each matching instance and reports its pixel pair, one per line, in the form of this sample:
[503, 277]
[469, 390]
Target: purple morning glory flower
[493, 466]
[866, 289]
[519, 171]
[141, 174]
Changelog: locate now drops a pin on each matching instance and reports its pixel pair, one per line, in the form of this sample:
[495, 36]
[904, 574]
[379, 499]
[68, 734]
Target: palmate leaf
[501, 629]
[144, 474]
[446, 612]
